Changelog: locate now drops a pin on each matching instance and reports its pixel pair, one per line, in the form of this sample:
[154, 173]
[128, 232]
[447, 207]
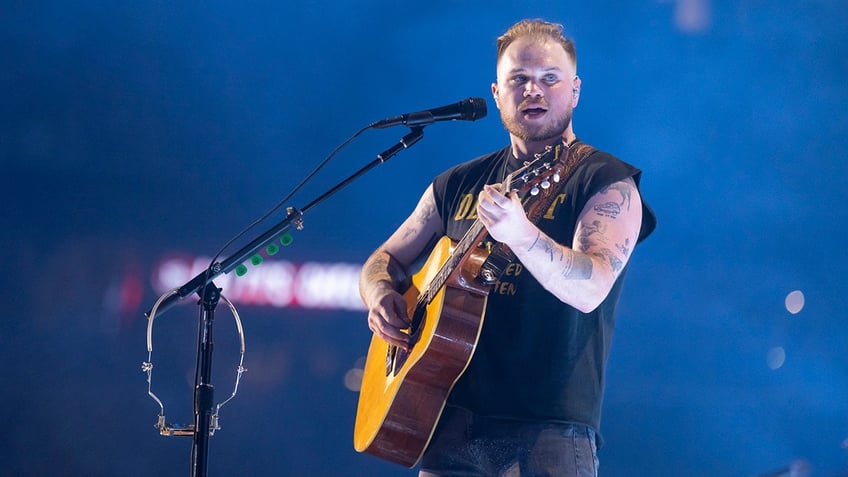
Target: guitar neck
[470, 239]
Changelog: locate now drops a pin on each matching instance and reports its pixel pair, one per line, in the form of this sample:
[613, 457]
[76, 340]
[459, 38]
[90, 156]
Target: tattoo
[579, 267]
[609, 209]
[550, 247]
[382, 266]
[586, 232]
[575, 265]
[538, 236]
[624, 248]
[623, 188]
[427, 209]
[610, 256]
[422, 214]
[377, 268]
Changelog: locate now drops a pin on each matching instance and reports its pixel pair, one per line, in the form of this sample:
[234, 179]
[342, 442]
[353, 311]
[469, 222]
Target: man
[529, 401]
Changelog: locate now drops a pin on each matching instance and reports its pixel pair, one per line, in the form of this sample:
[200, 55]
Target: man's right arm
[387, 270]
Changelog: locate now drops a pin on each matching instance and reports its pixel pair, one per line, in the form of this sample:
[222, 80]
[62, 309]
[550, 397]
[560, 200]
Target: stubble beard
[544, 132]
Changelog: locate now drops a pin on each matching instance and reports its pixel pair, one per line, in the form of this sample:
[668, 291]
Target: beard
[553, 128]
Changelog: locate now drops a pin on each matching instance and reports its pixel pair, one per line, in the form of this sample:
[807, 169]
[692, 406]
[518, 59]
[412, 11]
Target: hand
[504, 217]
[387, 316]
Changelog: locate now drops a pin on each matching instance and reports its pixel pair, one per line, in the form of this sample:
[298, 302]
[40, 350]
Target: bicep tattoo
[624, 248]
[423, 213]
[588, 233]
[591, 239]
[623, 188]
[608, 209]
[610, 257]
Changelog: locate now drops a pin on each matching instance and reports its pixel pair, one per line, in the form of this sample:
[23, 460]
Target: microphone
[470, 109]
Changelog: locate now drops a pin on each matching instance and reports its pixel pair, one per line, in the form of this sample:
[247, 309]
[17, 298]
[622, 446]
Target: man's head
[537, 86]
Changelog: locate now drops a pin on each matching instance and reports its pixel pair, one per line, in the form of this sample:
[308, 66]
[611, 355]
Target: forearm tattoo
[548, 246]
[575, 265]
[382, 266]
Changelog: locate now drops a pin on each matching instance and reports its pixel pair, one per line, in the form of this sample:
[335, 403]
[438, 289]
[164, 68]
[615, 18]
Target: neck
[524, 150]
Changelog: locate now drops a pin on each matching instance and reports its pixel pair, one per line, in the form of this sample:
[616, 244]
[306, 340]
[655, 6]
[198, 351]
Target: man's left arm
[583, 273]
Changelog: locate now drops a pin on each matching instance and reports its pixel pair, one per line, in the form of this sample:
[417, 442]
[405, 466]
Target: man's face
[534, 91]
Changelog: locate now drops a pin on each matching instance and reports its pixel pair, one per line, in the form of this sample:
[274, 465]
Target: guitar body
[403, 394]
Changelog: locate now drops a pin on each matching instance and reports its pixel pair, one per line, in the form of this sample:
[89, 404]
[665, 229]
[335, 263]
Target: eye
[518, 79]
[551, 79]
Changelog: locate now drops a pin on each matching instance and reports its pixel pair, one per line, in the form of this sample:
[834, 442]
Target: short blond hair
[538, 28]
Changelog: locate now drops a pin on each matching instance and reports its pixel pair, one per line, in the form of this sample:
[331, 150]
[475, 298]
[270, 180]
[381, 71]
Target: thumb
[515, 199]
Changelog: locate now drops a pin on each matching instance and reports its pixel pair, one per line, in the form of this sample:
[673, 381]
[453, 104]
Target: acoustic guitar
[403, 393]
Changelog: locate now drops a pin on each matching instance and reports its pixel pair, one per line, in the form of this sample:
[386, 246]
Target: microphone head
[470, 109]
[473, 109]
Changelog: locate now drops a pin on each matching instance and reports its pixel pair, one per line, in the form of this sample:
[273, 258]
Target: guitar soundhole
[391, 353]
[396, 357]
[417, 321]
[400, 360]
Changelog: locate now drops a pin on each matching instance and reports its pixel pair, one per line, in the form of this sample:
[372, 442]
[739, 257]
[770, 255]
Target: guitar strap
[501, 255]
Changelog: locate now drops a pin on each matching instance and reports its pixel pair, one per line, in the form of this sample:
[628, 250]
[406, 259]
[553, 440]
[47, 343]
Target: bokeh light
[795, 302]
[776, 357]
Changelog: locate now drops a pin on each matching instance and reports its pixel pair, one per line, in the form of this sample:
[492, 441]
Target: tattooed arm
[387, 269]
[583, 273]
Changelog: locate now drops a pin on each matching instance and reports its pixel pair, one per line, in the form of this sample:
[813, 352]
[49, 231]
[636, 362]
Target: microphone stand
[210, 294]
[415, 135]
[203, 390]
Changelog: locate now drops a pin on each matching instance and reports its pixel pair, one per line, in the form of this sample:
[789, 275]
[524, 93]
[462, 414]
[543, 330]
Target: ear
[495, 94]
[575, 98]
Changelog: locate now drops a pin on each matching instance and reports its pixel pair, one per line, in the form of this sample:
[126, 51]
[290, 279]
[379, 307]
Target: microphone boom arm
[294, 217]
[207, 276]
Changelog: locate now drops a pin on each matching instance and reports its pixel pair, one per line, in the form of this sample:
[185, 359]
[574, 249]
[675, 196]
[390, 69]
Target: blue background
[132, 131]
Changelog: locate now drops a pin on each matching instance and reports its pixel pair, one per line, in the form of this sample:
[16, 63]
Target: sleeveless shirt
[537, 358]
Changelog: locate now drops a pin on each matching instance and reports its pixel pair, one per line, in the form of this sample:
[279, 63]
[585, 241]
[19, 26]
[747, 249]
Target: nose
[532, 90]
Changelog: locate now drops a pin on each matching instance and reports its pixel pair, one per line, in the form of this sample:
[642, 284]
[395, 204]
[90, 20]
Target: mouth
[534, 111]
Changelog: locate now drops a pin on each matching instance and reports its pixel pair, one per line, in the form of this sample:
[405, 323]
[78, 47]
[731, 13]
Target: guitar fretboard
[464, 245]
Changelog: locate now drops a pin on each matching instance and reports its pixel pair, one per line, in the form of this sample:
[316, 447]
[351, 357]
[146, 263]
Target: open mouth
[534, 112]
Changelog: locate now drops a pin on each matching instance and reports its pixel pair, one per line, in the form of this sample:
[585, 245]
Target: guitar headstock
[538, 173]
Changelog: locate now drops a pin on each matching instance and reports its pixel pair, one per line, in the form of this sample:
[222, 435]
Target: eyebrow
[519, 70]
